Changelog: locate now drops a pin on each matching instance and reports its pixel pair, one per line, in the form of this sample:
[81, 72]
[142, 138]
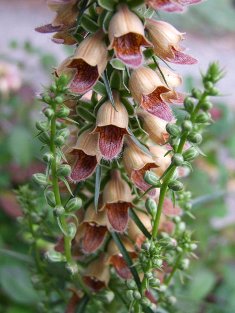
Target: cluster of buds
[109, 114]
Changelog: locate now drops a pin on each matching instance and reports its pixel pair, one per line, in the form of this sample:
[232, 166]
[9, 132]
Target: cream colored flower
[163, 161]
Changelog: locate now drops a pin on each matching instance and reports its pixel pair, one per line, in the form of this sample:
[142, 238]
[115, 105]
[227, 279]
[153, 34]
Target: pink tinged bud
[89, 62]
[148, 91]
[166, 41]
[117, 200]
[112, 126]
[126, 36]
[169, 209]
[136, 163]
[85, 157]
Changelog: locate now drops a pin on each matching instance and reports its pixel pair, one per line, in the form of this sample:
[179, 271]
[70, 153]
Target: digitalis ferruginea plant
[116, 155]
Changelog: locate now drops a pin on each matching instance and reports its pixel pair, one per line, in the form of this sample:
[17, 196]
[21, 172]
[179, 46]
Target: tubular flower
[116, 259]
[171, 5]
[84, 156]
[126, 36]
[112, 126]
[166, 41]
[117, 200]
[163, 161]
[97, 274]
[87, 64]
[134, 233]
[154, 126]
[91, 232]
[66, 17]
[136, 163]
[148, 90]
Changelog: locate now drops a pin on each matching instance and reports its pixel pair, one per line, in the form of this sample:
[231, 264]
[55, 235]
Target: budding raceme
[87, 64]
[147, 90]
[97, 274]
[112, 126]
[136, 163]
[85, 156]
[66, 16]
[166, 41]
[154, 126]
[117, 200]
[126, 36]
[134, 233]
[91, 232]
[163, 161]
[116, 259]
[171, 5]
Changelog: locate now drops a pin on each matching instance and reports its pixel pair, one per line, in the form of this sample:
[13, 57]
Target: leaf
[100, 89]
[108, 88]
[107, 4]
[138, 143]
[88, 24]
[97, 186]
[67, 185]
[117, 64]
[15, 282]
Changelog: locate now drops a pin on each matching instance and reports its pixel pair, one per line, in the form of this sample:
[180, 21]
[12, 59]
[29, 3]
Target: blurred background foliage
[210, 285]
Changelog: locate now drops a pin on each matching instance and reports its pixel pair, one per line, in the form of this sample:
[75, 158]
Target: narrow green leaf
[138, 143]
[97, 186]
[129, 107]
[100, 89]
[86, 114]
[88, 24]
[67, 185]
[117, 64]
[108, 88]
[107, 4]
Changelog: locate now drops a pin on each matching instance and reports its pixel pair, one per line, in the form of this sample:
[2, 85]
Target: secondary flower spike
[136, 163]
[112, 126]
[166, 41]
[126, 36]
[147, 90]
[91, 232]
[87, 64]
[84, 156]
[117, 200]
[171, 5]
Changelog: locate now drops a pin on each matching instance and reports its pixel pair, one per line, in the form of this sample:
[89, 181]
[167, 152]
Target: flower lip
[126, 36]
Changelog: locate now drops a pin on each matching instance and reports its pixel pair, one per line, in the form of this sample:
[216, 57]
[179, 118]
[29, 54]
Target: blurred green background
[28, 58]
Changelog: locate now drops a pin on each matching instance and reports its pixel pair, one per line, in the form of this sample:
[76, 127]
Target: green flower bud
[195, 137]
[44, 138]
[214, 91]
[72, 229]
[145, 301]
[181, 226]
[131, 284]
[40, 179]
[157, 262]
[177, 159]
[54, 256]
[73, 204]
[203, 117]
[190, 154]
[163, 288]
[208, 85]
[173, 129]
[148, 275]
[59, 141]
[64, 170]
[46, 98]
[184, 264]
[59, 210]
[53, 88]
[137, 295]
[59, 99]
[172, 300]
[64, 132]
[48, 157]
[50, 197]
[176, 219]
[151, 206]
[63, 112]
[146, 245]
[188, 206]
[42, 126]
[179, 249]
[176, 185]
[72, 268]
[206, 106]
[187, 125]
[196, 93]
[154, 282]
[193, 246]
[152, 179]
[130, 295]
[49, 113]
[188, 104]
[62, 80]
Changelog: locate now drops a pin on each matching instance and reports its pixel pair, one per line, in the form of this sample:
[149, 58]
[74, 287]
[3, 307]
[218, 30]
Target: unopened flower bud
[196, 93]
[145, 301]
[206, 106]
[64, 170]
[50, 197]
[49, 113]
[173, 129]
[148, 275]
[53, 88]
[177, 159]
[187, 125]
[59, 99]
[72, 229]
[152, 179]
[214, 91]
[193, 246]
[46, 98]
[190, 154]
[58, 210]
[54, 256]
[42, 126]
[59, 141]
[73, 204]
[157, 262]
[188, 206]
[151, 206]
[181, 226]
[163, 288]
[63, 112]
[177, 219]
[40, 179]
[131, 284]
[184, 265]
[129, 295]
[172, 300]
[137, 295]
[48, 157]
[146, 245]
[195, 137]
[176, 185]
[188, 104]
[72, 268]
[208, 85]
[44, 138]
[154, 282]
[202, 117]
